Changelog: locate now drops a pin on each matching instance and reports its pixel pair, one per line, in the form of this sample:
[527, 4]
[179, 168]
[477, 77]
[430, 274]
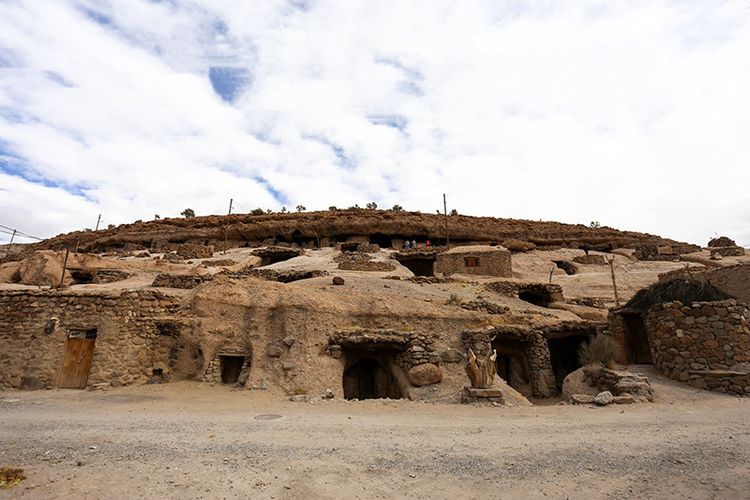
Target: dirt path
[195, 441]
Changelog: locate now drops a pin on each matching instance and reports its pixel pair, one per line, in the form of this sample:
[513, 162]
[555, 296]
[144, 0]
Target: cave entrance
[231, 367]
[82, 276]
[513, 365]
[567, 266]
[381, 240]
[538, 297]
[419, 266]
[563, 353]
[370, 376]
[639, 347]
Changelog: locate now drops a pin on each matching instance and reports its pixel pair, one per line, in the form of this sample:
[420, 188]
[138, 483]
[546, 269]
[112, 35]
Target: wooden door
[75, 369]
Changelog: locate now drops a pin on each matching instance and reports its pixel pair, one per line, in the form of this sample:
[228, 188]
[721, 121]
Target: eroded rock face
[425, 374]
[44, 269]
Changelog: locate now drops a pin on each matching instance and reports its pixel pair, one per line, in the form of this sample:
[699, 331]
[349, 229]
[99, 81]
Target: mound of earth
[328, 227]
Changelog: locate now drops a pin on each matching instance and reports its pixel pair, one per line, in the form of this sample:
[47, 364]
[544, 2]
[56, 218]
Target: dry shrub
[10, 476]
[454, 300]
[518, 245]
[297, 391]
[599, 349]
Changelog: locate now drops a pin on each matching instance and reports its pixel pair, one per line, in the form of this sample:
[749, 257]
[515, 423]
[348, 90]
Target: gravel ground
[189, 440]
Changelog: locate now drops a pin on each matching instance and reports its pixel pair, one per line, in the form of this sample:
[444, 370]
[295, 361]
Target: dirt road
[189, 440]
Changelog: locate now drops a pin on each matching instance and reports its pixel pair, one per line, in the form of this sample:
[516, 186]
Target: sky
[634, 114]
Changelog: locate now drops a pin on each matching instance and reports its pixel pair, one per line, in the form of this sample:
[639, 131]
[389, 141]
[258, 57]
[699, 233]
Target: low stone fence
[706, 344]
[185, 281]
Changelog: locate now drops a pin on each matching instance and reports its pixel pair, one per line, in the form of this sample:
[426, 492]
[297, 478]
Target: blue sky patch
[345, 160]
[399, 122]
[97, 17]
[229, 82]
[277, 195]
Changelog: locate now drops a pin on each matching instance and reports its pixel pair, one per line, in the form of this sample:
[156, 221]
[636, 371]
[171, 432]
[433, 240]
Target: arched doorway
[368, 378]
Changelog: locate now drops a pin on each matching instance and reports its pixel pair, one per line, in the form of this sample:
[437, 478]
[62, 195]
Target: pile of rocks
[109, 276]
[592, 259]
[595, 383]
[376, 266]
[185, 281]
[219, 263]
[483, 305]
[285, 276]
[190, 251]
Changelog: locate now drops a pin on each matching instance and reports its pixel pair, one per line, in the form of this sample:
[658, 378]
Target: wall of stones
[733, 280]
[706, 345]
[183, 281]
[493, 263]
[131, 340]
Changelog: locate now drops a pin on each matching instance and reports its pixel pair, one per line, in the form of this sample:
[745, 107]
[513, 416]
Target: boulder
[288, 341]
[44, 268]
[582, 399]
[274, 351]
[425, 374]
[604, 398]
[338, 280]
[452, 356]
[577, 383]
[624, 399]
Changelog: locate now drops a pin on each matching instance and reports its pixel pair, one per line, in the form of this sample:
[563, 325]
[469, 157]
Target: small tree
[595, 224]
[157, 216]
[301, 208]
[372, 205]
[454, 212]
[269, 211]
[397, 208]
[332, 208]
[188, 213]
[283, 210]
[110, 226]
[257, 211]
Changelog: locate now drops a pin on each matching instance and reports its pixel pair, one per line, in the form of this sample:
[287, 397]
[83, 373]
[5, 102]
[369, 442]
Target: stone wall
[489, 261]
[733, 280]
[132, 340]
[184, 281]
[706, 345]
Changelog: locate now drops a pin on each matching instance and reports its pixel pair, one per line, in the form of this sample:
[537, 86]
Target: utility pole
[65, 265]
[10, 245]
[226, 227]
[97, 222]
[445, 211]
[611, 263]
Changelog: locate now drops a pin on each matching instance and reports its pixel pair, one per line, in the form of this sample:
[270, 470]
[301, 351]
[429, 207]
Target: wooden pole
[226, 227]
[98, 220]
[447, 235]
[10, 245]
[65, 265]
[614, 283]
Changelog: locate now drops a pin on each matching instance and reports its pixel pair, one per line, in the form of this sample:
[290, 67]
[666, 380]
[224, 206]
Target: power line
[18, 233]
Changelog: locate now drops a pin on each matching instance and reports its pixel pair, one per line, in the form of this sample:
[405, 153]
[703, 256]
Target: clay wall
[485, 263]
[706, 345]
[130, 343]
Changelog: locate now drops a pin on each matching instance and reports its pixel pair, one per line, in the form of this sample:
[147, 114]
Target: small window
[82, 334]
[471, 261]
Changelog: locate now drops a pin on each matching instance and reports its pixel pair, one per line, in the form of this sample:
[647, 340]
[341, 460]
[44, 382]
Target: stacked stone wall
[131, 341]
[706, 345]
[184, 281]
[490, 263]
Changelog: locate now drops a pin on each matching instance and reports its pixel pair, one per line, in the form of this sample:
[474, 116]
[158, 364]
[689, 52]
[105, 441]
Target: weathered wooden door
[75, 369]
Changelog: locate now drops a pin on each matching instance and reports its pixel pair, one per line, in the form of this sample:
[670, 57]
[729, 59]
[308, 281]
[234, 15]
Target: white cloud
[633, 114]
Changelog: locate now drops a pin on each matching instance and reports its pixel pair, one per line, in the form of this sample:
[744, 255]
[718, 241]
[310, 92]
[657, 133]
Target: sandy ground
[190, 440]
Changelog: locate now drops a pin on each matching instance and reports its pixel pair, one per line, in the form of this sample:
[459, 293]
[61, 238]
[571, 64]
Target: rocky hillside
[328, 227]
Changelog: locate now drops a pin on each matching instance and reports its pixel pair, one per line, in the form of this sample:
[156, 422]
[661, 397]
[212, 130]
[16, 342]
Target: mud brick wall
[490, 263]
[706, 345]
[130, 340]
